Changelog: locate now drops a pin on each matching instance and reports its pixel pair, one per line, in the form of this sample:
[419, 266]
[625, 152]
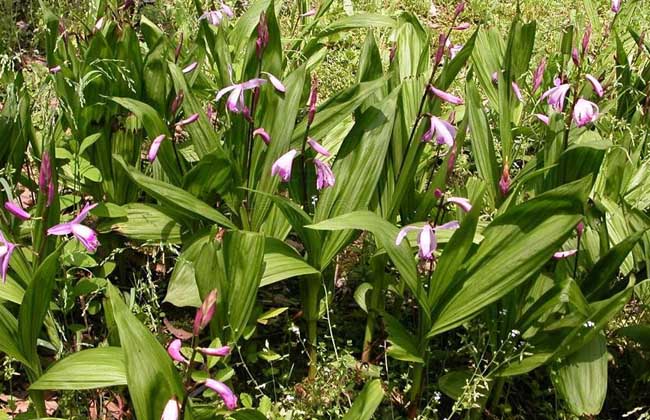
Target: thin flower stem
[304, 168]
[575, 264]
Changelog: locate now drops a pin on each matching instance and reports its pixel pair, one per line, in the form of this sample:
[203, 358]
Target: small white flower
[514, 333]
[589, 324]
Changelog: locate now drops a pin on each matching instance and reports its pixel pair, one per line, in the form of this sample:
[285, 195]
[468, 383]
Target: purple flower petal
[14, 209]
[266, 137]
[191, 67]
[189, 120]
[445, 96]
[427, 242]
[277, 84]
[543, 118]
[174, 351]
[86, 236]
[324, 175]
[517, 91]
[228, 397]
[222, 351]
[564, 254]
[318, 148]
[585, 112]
[598, 88]
[403, 232]
[282, 166]
[171, 411]
[155, 145]
[461, 202]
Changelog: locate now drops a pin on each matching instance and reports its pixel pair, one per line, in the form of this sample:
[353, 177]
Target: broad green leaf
[35, 305]
[101, 367]
[363, 152]
[403, 345]
[605, 270]
[145, 222]
[9, 334]
[481, 141]
[11, 290]
[366, 402]
[453, 383]
[174, 197]
[581, 378]
[638, 333]
[515, 245]
[282, 262]
[150, 372]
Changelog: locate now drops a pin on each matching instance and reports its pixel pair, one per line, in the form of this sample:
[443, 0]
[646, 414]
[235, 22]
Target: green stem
[310, 293]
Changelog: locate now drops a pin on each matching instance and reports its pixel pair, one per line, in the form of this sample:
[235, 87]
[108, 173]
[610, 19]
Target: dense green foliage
[338, 210]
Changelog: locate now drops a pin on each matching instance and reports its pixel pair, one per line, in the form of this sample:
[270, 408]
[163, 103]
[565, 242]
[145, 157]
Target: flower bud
[205, 312]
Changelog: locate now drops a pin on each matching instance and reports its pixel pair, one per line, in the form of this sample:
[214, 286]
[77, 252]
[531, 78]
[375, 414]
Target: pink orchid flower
[324, 175]
[226, 394]
[556, 95]
[222, 351]
[174, 351]
[564, 254]
[155, 145]
[84, 234]
[235, 102]
[444, 132]
[445, 96]
[6, 249]
[427, 242]
[543, 118]
[282, 166]
[461, 202]
[266, 137]
[171, 411]
[277, 84]
[15, 209]
[190, 68]
[318, 148]
[310, 12]
[595, 84]
[616, 6]
[189, 120]
[585, 112]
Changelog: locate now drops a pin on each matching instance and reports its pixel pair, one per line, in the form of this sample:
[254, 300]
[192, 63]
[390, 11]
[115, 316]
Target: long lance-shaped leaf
[243, 256]
[385, 234]
[481, 140]
[599, 278]
[363, 152]
[154, 127]
[367, 401]
[150, 372]
[516, 245]
[88, 369]
[557, 343]
[36, 303]
[282, 262]
[581, 378]
[173, 197]
[9, 336]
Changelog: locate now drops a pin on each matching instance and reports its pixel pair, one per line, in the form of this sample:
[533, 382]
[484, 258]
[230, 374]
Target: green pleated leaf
[173, 197]
[35, 305]
[367, 401]
[403, 345]
[515, 245]
[282, 262]
[150, 372]
[581, 378]
[88, 369]
[363, 152]
[9, 344]
[481, 141]
[144, 222]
